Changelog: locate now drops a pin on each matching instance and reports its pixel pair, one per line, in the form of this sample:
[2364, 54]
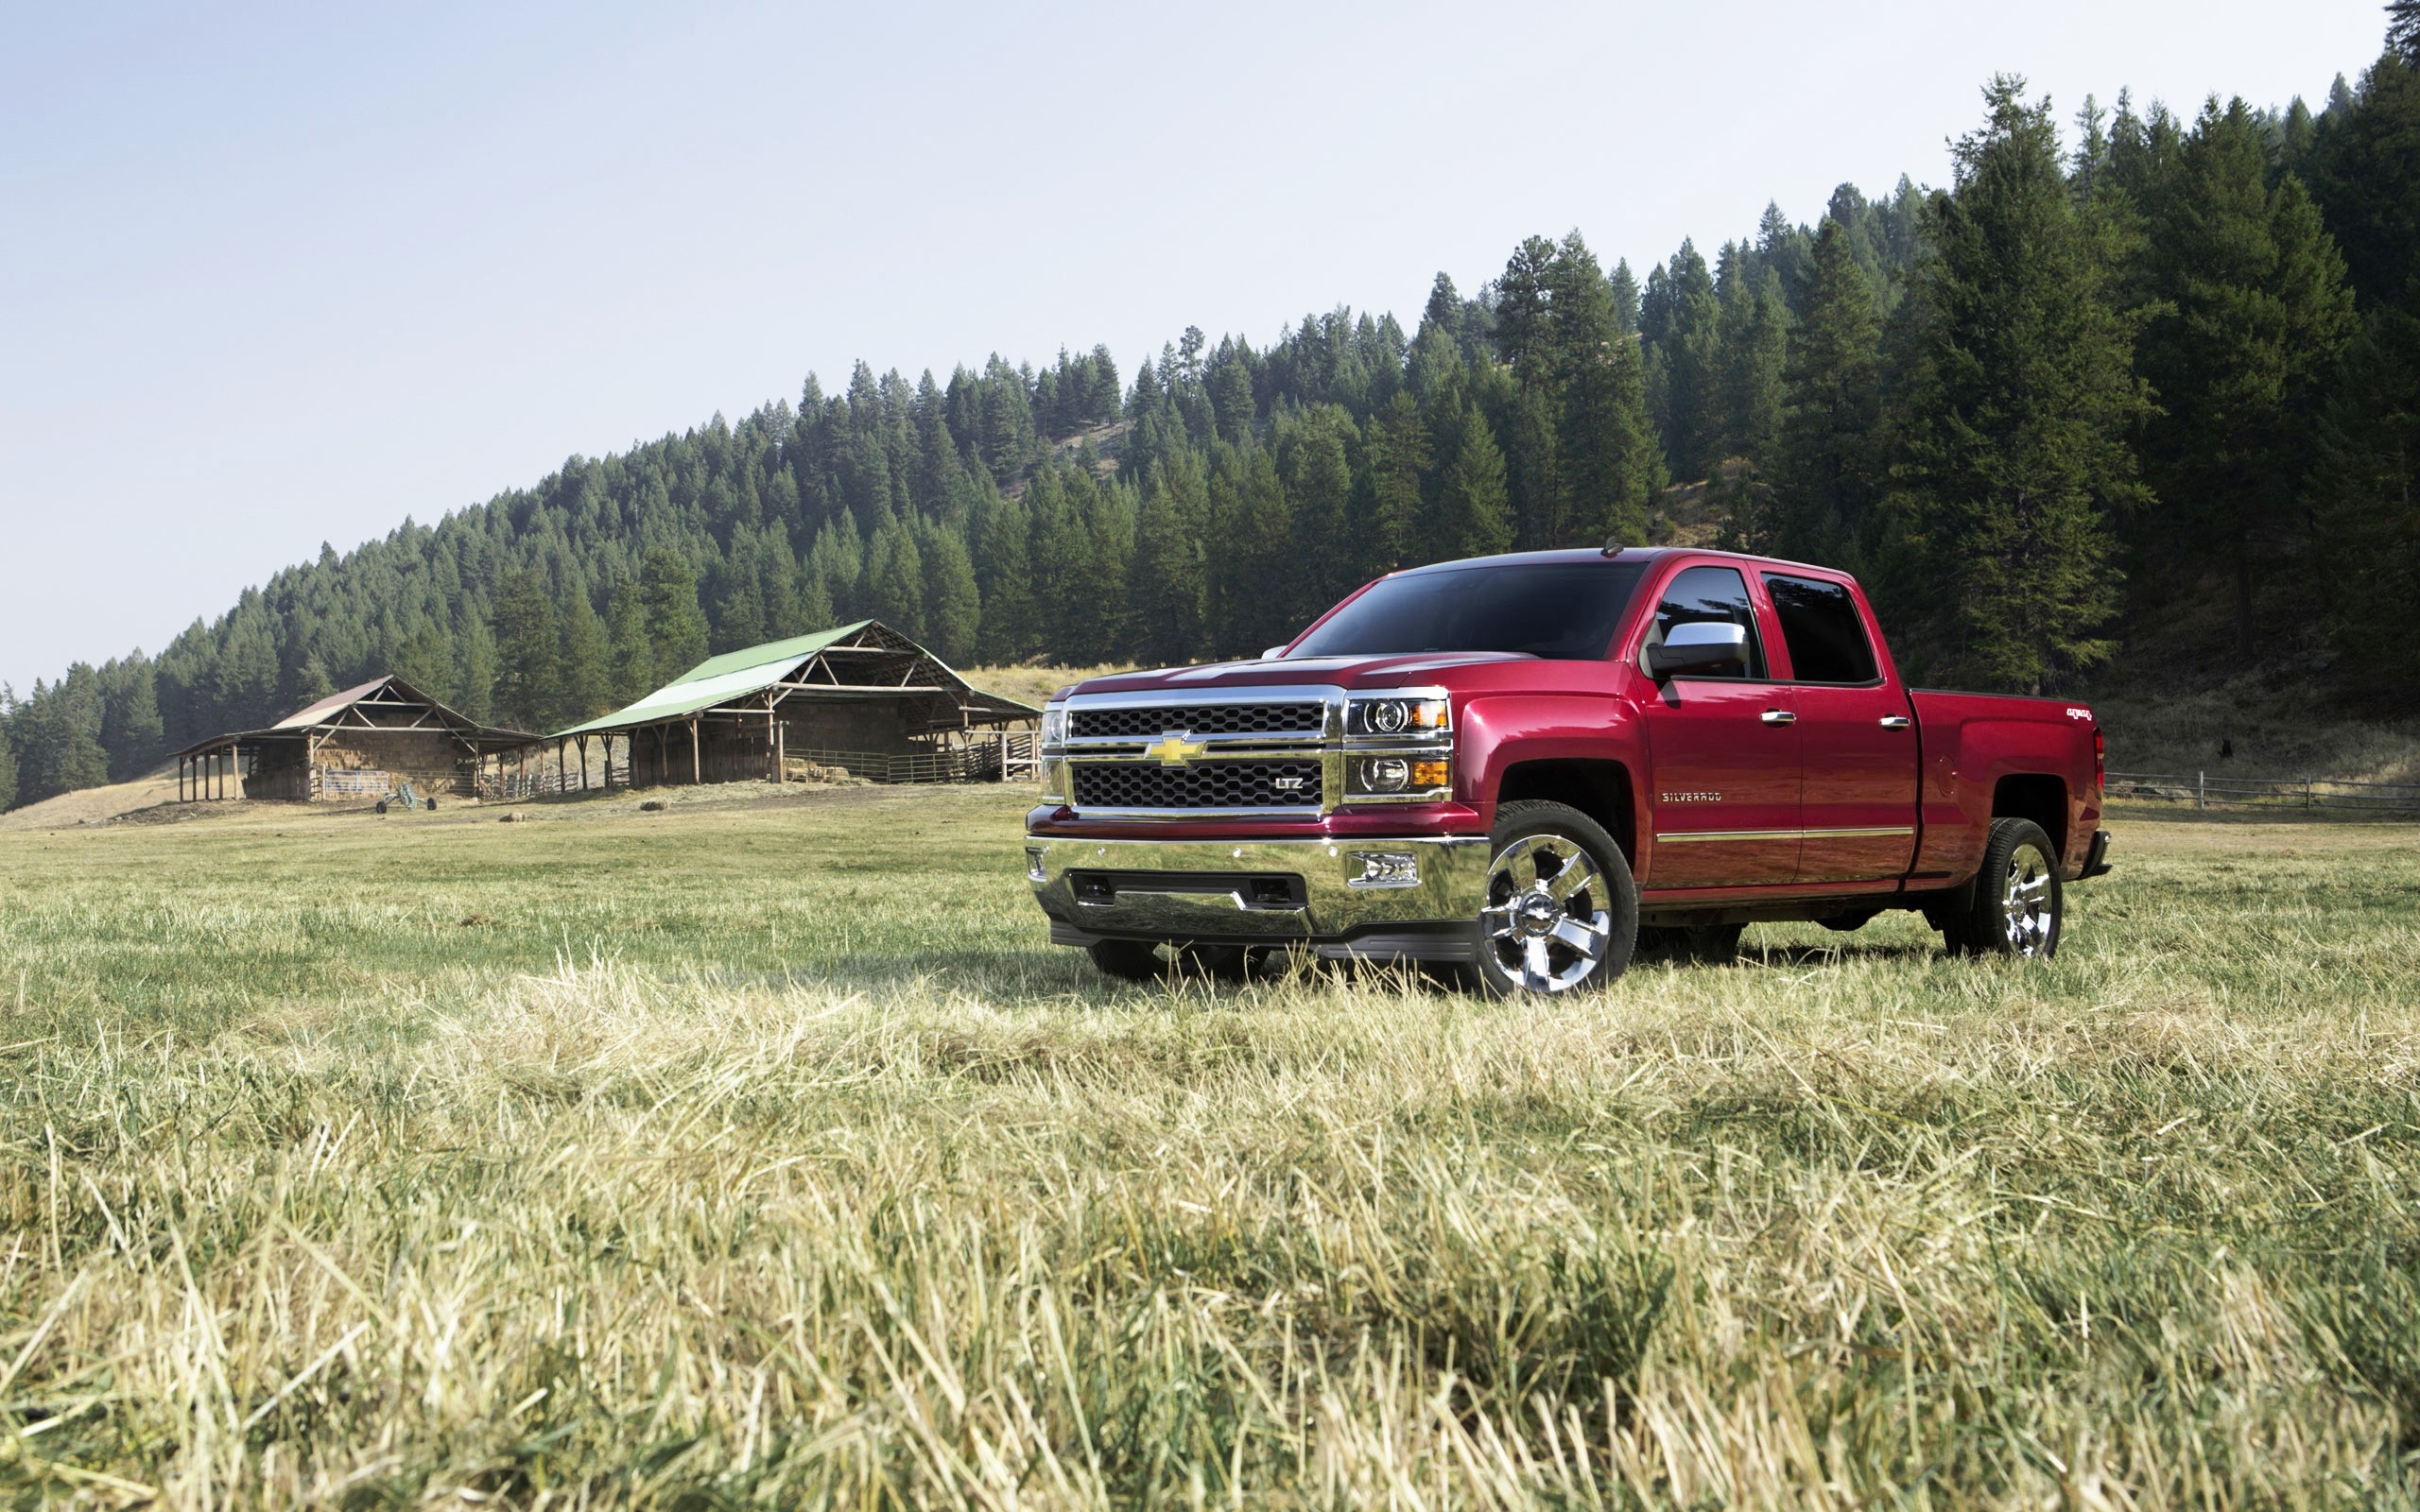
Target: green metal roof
[797, 648]
[737, 674]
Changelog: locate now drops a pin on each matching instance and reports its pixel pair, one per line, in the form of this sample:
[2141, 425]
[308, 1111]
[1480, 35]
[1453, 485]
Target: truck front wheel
[1562, 911]
[2019, 902]
[1139, 960]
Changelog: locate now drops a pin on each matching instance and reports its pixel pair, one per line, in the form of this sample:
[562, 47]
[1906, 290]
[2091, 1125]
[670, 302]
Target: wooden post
[583, 763]
[2201, 790]
[697, 772]
[781, 752]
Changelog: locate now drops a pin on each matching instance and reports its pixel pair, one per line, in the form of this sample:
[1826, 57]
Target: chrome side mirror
[1274, 653]
[1702, 646]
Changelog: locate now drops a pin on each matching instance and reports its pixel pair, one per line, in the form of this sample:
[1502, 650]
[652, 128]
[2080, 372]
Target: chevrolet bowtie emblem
[1173, 750]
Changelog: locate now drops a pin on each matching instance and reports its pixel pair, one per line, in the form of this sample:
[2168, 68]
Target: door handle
[1897, 721]
[1779, 716]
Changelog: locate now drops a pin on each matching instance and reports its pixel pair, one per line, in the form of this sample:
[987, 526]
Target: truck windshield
[1565, 610]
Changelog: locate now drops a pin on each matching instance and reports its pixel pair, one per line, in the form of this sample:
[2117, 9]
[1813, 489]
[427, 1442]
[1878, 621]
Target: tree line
[2161, 372]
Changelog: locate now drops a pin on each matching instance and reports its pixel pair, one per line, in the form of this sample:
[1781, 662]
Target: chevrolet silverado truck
[1530, 766]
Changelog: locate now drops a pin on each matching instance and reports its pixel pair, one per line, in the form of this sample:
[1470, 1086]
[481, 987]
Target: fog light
[1384, 868]
[1386, 774]
[1033, 871]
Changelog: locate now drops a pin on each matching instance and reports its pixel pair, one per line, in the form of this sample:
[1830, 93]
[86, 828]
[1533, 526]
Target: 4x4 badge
[1173, 750]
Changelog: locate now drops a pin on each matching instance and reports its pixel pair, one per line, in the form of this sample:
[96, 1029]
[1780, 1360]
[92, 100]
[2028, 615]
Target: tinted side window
[1718, 595]
[1821, 626]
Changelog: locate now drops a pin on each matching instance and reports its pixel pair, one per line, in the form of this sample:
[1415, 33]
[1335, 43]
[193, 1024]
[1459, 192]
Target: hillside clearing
[765, 1155]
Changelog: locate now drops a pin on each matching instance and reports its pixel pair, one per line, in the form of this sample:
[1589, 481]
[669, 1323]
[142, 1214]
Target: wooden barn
[359, 744]
[862, 698]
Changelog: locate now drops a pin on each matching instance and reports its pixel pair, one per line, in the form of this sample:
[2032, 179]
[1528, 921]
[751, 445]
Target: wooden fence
[2311, 794]
[1003, 758]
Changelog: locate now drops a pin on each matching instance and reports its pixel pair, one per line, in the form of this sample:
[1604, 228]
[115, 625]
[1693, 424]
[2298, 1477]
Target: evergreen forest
[2136, 384]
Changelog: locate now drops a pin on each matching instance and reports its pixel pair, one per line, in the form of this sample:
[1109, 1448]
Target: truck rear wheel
[1562, 911]
[2018, 901]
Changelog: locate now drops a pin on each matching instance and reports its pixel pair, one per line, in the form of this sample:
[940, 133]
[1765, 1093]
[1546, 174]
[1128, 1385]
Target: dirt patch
[98, 805]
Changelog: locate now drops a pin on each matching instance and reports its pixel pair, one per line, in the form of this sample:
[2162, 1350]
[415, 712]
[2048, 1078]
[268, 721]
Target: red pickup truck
[1532, 765]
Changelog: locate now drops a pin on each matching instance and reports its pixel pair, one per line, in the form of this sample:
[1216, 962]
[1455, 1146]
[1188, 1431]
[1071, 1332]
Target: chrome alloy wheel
[2028, 903]
[1546, 918]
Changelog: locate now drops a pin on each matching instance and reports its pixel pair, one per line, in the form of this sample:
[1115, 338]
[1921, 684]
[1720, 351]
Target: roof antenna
[1612, 546]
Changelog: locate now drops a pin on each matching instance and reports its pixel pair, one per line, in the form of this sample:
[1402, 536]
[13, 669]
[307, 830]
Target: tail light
[2099, 769]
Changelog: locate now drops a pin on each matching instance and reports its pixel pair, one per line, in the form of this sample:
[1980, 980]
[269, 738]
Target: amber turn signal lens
[1429, 774]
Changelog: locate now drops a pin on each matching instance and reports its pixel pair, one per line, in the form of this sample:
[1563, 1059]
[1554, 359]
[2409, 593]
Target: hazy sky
[271, 277]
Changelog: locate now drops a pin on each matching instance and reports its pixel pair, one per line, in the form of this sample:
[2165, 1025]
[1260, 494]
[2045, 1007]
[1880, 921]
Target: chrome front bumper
[1321, 893]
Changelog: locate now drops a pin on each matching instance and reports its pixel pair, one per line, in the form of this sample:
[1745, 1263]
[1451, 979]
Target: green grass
[767, 1156]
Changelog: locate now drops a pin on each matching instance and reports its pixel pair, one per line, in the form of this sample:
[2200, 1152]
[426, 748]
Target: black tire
[1531, 941]
[2019, 904]
[1139, 960]
[1693, 945]
[1129, 960]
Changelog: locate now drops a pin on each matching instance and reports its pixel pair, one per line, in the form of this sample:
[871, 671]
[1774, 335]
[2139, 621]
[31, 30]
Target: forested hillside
[2153, 382]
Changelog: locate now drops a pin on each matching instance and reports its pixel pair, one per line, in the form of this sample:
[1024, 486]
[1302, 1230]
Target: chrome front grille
[1223, 785]
[1308, 720]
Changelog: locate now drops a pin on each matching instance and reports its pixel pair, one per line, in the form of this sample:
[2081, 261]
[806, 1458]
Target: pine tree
[1624, 288]
[1824, 473]
[245, 676]
[2249, 312]
[1004, 572]
[1604, 434]
[528, 669]
[676, 627]
[64, 751]
[633, 658]
[1254, 525]
[583, 666]
[1677, 320]
[1752, 349]
[894, 589]
[1168, 587]
[2365, 173]
[1394, 462]
[131, 727]
[2014, 447]
[1582, 463]
[740, 617]
[423, 657]
[474, 691]
[1313, 458]
[1474, 517]
[953, 605]
[2365, 490]
[8, 749]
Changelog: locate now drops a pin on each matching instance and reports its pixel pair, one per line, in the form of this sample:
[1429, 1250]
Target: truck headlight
[1398, 716]
[1398, 777]
[1054, 725]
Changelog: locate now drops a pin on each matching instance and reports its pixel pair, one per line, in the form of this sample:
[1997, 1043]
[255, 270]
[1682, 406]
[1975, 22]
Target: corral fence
[992, 759]
[2314, 795]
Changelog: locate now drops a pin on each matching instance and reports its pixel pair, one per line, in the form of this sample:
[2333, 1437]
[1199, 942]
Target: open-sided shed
[863, 697]
[361, 743]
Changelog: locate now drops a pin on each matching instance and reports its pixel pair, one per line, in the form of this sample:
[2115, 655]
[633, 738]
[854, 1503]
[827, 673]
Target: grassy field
[763, 1154]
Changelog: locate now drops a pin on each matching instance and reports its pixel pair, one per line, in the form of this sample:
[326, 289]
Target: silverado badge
[1173, 750]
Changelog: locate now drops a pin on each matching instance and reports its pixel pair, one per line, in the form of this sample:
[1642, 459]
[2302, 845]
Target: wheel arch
[2039, 796]
[1597, 787]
